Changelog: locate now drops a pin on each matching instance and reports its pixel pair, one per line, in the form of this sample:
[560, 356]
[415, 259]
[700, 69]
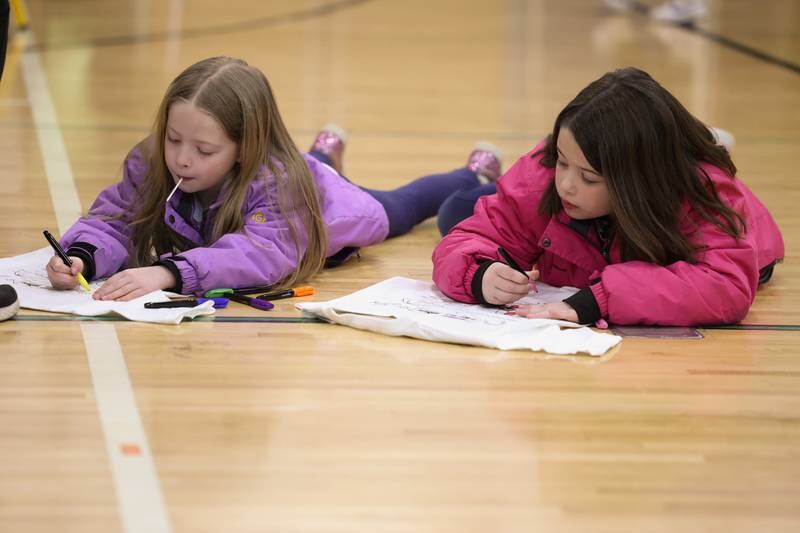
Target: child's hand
[135, 282]
[557, 311]
[503, 285]
[61, 276]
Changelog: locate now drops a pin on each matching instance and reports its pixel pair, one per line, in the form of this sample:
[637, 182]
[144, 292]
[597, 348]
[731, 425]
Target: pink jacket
[718, 288]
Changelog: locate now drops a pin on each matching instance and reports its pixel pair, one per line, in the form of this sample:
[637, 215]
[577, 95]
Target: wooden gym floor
[113, 426]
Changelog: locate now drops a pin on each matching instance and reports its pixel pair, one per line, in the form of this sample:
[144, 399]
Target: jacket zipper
[601, 226]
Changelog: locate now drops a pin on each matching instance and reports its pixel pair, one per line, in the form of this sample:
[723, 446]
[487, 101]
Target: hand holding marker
[64, 257]
[513, 264]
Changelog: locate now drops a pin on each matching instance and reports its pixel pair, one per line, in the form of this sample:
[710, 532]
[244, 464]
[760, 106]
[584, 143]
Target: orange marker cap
[303, 291]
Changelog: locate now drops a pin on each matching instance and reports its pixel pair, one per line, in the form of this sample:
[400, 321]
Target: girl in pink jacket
[630, 200]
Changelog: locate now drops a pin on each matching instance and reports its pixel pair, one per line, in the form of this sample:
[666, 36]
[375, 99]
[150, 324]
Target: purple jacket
[261, 253]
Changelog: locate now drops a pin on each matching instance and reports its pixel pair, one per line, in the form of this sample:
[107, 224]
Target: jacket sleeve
[718, 287]
[508, 219]
[105, 231]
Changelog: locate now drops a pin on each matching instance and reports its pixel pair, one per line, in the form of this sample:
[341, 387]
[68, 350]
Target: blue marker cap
[219, 303]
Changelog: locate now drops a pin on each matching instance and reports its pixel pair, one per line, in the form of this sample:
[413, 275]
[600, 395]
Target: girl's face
[197, 149]
[582, 190]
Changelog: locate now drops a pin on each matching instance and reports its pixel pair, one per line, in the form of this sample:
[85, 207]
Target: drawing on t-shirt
[26, 273]
[31, 278]
[432, 303]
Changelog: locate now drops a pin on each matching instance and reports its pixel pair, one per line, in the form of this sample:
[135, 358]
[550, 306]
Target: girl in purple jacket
[219, 196]
[629, 199]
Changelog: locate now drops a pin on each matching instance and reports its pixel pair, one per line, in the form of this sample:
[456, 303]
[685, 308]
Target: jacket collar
[568, 237]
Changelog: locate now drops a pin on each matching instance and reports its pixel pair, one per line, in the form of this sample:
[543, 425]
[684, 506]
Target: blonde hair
[241, 99]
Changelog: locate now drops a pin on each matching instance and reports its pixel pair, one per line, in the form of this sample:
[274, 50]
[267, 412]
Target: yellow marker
[84, 283]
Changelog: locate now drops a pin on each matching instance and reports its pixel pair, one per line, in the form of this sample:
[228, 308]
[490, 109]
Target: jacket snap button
[545, 242]
[172, 219]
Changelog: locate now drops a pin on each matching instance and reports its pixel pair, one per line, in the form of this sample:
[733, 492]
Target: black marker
[170, 305]
[219, 303]
[510, 261]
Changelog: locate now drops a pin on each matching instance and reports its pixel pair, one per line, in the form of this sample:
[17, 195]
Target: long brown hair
[241, 99]
[648, 148]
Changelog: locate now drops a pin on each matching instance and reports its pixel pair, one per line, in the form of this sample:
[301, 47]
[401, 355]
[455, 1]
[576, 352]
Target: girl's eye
[562, 164]
[173, 141]
[587, 180]
[201, 152]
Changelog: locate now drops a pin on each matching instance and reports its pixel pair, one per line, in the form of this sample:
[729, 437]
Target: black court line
[116, 318]
[756, 327]
[262, 319]
[742, 48]
[314, 320]
[208, 32]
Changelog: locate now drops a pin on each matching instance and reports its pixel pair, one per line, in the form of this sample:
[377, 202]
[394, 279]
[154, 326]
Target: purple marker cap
[261, 304]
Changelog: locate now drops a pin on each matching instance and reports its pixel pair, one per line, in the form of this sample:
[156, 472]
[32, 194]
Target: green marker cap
[218, 293]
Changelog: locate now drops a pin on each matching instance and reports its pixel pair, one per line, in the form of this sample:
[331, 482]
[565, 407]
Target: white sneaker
[9, 303]
[723, 138]
[679, 12]
[619, 5]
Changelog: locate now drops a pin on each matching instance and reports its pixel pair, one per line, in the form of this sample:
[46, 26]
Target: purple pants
[418, 200]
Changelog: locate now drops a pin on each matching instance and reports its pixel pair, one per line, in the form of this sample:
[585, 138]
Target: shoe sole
[9, 310]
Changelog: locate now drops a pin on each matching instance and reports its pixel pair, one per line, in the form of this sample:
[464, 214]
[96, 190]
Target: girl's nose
[568, 183]
[183, 159]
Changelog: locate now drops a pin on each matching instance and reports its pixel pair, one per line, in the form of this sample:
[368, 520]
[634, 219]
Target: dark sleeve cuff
[341, 256]
[173, 268]
[585, 305]
[477, 280]
[85, 252]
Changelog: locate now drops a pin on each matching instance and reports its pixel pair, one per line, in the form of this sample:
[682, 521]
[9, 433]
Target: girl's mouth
[568, 205]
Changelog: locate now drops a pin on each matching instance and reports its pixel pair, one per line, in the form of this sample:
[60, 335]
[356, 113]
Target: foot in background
[330, 142]
[724, 138]
[675, 11]
[679, 11]
[485, 160]
[9, 303]
[620, 5]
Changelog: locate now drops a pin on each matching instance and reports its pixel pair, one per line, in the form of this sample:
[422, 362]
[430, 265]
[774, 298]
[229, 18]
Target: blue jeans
[420, 199]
